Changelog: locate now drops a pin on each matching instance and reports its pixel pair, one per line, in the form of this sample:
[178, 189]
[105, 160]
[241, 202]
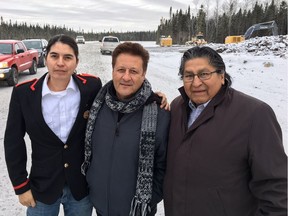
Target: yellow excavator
[259, 26]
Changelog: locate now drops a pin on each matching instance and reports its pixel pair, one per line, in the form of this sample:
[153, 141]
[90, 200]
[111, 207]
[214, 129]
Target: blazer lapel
[83, 112]
[36, 109]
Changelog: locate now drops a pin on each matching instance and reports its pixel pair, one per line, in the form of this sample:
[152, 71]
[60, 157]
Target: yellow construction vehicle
[165, 41]
[259, 26]
[234, 39]
[197, 40]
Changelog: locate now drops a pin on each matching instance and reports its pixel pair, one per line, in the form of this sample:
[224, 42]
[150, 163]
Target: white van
[108, 44]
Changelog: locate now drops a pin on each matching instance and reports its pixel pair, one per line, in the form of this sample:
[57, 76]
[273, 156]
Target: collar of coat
[214, 101]
[36, 83]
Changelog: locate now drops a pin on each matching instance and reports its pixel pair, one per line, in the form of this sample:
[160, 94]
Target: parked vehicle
[40, 45]
[15, 58]
[197, 40]
[165, 41]
[80, 39]
[108, 44]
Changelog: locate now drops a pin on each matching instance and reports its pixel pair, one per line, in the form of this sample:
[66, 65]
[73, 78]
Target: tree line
[20, 31]
[233, 20]
[227, 19]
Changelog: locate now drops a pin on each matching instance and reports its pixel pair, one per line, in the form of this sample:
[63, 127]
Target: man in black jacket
[126, 138]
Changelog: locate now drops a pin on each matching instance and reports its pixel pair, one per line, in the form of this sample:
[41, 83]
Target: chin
[199, 101]
[124, 96]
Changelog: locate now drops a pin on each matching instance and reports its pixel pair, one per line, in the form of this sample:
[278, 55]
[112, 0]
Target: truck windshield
[33, 44]
[5, 49]
[110, 40]
[200, 37]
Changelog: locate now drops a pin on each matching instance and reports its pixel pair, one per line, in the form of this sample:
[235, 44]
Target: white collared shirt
[60, 109]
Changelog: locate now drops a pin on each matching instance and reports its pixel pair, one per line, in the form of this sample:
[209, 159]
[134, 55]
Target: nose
[60, 61]
[126, 75]
[196, 81]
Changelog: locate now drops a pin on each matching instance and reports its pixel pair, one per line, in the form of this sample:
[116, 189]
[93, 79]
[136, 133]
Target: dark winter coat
[48, 173]
[230, 162]
[113, 171]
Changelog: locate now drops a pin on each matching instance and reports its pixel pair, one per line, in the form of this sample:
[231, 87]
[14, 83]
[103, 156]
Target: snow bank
[259, 46]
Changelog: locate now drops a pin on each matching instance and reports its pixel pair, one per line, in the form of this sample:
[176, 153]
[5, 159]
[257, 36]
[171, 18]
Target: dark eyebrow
[200, 71]
[66, 55]
[53, 53]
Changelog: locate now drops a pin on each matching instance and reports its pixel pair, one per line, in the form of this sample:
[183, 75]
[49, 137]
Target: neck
[57, 85]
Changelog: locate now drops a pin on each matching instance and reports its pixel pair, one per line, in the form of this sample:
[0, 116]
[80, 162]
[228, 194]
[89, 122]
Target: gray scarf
[140, 203]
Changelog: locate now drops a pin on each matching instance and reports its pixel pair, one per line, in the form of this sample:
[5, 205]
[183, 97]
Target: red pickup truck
[15, 58]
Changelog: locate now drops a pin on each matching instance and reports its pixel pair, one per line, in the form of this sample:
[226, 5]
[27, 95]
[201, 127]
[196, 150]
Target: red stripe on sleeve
[21, 185]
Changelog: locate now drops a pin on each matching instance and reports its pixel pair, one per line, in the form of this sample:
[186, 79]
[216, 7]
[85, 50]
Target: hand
[26, 199]
[164, 102]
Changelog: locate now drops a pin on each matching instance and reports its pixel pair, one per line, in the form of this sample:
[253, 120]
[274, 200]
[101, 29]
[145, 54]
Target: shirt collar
[193, 107]
[71, 85]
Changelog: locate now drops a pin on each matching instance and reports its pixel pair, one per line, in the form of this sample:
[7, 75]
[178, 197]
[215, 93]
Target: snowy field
[258, 68]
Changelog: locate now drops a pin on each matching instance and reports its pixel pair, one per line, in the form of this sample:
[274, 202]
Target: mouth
[199, 92]
[126, 84]
[59, 71]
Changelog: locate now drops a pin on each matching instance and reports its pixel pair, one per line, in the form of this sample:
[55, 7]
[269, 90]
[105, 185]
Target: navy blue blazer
[54, 163]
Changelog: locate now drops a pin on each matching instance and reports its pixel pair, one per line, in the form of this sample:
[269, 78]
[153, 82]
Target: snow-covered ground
[258, 67]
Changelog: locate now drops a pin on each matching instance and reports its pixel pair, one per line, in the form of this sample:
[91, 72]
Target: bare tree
[207, 17]
[230, 7]
[195, 6]
[216, 18]
[195, 3]
[248, 4]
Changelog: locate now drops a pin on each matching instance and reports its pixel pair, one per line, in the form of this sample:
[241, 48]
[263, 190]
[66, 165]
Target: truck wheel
[33, 68]
[13, 79]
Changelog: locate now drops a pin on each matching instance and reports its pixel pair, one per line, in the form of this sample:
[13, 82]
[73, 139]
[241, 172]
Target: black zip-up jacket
[112, 174]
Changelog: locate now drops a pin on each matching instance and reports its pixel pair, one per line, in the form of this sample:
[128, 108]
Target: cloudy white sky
[96, 15]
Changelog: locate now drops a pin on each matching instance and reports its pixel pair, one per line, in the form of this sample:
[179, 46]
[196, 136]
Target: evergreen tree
[270, 13]
[223, 30]
[257, 14]
[201, 20]
[281, 18]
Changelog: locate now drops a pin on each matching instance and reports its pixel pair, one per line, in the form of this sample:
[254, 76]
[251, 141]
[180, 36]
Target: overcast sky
[96, 15]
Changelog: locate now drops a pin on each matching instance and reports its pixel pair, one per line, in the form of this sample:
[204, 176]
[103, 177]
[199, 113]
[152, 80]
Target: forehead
[197, 61]
[197, 64]
[126, 59]
[62, 48]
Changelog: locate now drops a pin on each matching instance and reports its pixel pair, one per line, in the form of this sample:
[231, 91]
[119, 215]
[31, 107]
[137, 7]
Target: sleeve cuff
[21, 188]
